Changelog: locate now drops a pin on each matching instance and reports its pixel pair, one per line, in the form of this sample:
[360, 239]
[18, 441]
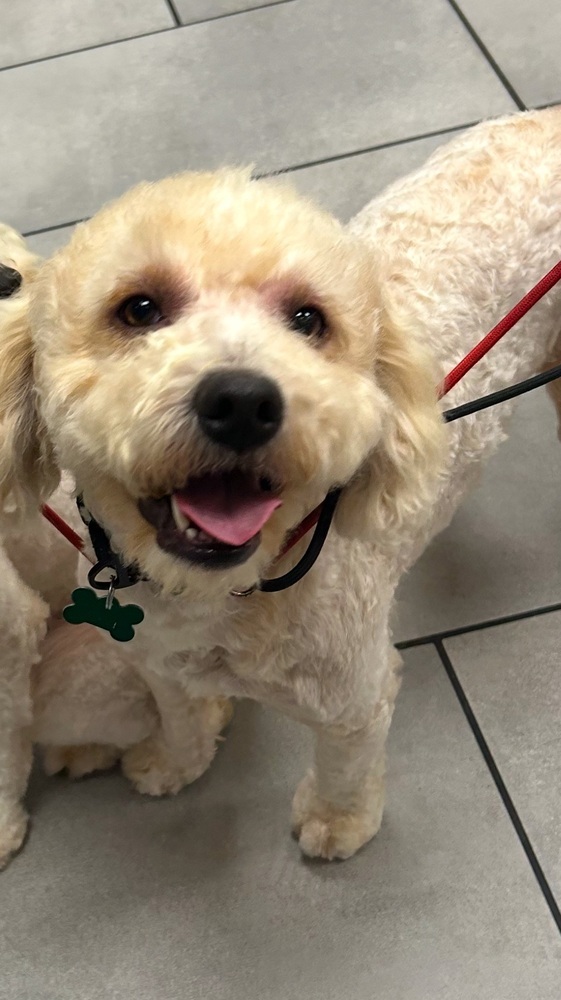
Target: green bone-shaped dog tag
[88, 608]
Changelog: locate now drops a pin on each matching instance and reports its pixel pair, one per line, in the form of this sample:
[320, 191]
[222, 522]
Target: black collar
[121, 576]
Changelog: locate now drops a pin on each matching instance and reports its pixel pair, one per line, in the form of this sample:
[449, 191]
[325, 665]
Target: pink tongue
[229, 507]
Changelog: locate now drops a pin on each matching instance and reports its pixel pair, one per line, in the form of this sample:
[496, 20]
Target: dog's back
[463, 238]
[456, 244]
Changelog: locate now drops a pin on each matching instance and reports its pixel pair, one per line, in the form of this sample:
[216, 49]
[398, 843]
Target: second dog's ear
[397, 484]
[27, 469]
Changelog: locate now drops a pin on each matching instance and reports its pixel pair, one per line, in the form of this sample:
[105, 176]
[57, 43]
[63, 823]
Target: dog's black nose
[239, 409]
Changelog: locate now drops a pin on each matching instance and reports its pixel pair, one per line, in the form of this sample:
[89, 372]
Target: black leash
[502, 395]
[312, 552]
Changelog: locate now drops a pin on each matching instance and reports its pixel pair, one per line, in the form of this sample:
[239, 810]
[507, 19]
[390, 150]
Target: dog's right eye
[140, 311]
[308, 321]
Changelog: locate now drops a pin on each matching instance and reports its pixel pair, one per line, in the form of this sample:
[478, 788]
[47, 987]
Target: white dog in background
[208, 357]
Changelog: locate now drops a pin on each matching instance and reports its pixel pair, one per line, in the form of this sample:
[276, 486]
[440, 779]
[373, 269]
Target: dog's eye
[308, 321]
[140, 311]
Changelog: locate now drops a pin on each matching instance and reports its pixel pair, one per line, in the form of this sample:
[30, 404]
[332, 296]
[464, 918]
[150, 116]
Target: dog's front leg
[338, 806]
[184, 746]
[15, 765]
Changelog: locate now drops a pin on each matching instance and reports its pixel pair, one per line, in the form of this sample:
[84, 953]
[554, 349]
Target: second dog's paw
[326, 831]
[153, 770]
[79, 761]
[13, 827]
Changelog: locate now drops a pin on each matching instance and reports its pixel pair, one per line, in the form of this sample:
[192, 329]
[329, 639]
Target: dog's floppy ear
[397, 484]
[27, 470]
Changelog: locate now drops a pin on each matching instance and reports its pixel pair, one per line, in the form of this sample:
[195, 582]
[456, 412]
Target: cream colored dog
[208, 357]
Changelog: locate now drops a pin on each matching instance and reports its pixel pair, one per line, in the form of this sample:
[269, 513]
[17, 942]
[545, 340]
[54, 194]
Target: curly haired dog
[209, 356]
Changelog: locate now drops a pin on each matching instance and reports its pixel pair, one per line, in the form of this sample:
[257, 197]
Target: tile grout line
[548, 104]
[86, 48]
[170, 4]
[143, 34]
[244, 10]
[500, 784]
[519, 616]
[447, 130]
[487, 55]
[299, 166]
[337, 157]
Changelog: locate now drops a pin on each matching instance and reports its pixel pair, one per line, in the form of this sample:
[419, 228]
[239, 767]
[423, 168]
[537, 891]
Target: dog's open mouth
[215, 520]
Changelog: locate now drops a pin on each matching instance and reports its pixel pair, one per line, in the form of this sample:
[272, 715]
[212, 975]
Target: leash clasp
[110, 594]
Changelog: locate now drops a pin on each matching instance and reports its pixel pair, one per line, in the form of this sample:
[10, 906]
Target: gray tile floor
[205, 895]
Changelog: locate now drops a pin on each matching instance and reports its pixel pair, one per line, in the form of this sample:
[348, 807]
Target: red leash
[465, 365]
[516, 313]
[64, 529]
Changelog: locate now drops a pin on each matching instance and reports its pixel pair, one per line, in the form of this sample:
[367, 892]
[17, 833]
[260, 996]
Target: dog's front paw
[13, 827]
[326, 831]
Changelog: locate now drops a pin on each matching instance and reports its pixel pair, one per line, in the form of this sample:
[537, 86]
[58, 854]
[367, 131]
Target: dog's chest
[301, 651]
[201, 647]
[205, 669]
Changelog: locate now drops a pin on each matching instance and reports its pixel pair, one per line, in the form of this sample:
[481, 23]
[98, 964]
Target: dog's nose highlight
[239, 409]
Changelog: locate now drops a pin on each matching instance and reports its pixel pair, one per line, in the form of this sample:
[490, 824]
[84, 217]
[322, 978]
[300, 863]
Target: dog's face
[210, 360]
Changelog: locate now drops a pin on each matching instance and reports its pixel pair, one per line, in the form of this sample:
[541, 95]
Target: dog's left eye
[308, 321]
[140, 311]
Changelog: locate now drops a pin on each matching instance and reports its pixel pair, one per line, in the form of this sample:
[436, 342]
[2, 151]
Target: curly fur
[57, 686]
[407, 289]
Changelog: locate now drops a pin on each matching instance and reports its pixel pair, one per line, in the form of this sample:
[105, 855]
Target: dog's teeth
[181, 521]
[186, 526]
